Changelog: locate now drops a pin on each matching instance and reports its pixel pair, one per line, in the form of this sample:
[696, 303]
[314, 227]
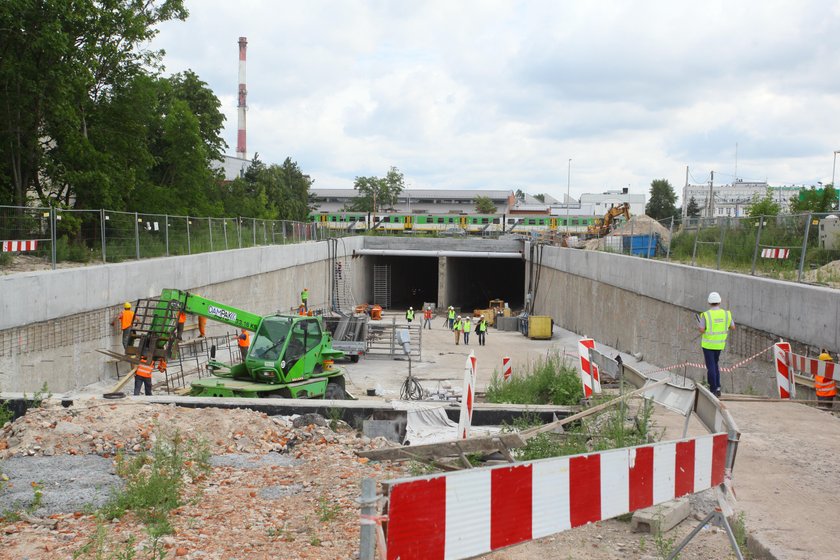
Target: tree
[376, 193]
[815, 200]
[61, 62]
[519, 195]
[764, 206]
[662, 203]
[693, 209]
[540, 197]
[484, 205]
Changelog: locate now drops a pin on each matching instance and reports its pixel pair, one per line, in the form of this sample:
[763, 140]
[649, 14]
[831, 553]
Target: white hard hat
[714, 297]
[411, 308]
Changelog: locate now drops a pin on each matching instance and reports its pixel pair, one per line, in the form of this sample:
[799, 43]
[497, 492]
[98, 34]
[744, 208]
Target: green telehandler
[290, 356]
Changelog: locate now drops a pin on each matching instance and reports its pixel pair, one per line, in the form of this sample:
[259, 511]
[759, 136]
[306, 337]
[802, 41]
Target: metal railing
[794, 247]
[105, 236]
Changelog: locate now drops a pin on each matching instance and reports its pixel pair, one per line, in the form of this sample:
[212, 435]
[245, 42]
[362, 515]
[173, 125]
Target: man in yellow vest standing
[825, 386]
[715, 324]
[304, 299]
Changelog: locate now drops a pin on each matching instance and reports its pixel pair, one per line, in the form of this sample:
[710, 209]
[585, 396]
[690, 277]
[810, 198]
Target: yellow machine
[606, 224]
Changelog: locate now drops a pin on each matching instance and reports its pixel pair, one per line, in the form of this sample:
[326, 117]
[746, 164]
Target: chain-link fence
[51, 236]
[798, 247]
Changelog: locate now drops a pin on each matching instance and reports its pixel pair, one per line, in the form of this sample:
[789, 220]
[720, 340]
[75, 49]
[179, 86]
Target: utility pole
[685, 196]
[711, 204]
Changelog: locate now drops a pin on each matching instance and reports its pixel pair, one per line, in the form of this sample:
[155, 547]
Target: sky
[544, 96]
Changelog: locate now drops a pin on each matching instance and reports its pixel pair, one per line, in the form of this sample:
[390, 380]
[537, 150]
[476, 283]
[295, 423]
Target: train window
[495, 220]
[511, 221]
[385, 219]
[440, 220]
[451, 220]
[332, 218]
[532, 222]
[485, 220]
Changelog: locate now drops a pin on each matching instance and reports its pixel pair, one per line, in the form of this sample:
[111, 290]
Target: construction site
[345, 429]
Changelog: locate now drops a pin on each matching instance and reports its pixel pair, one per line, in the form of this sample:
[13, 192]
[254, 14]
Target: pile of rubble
[637, 225]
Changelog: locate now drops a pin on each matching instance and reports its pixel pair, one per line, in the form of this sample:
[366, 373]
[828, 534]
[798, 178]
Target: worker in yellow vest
[450, 317]
[466, 326]
[457, 328]
[409, 315]
[304, 299]
[714, 324]
[825, 386]
[481, 330]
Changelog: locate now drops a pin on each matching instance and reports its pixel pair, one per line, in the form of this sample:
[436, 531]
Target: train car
[478, 224]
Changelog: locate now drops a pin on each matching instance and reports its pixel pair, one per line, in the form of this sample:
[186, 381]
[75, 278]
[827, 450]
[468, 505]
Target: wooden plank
[121, 383]
[445, 449]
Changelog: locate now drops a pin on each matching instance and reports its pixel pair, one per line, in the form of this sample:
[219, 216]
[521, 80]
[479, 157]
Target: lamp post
[833, 167]
[568, 188]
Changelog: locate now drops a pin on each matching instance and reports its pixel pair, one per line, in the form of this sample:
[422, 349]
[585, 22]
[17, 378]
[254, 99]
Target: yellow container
[539, 327]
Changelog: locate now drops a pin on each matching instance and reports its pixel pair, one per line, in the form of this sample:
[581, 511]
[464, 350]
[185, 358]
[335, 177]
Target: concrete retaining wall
[639, 305]
[52, 322]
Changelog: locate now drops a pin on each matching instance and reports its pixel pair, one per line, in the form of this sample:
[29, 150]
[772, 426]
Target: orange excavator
[605, 225]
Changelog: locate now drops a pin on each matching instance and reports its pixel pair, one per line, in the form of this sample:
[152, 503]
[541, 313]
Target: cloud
[500, 94]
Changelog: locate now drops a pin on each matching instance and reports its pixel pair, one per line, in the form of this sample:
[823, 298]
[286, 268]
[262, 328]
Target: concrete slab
[661, 518]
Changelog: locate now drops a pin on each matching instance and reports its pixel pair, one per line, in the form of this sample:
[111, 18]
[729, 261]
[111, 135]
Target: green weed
[547, 381]
[154, 481]
[739, 529]
[326, 510]
[662, 544]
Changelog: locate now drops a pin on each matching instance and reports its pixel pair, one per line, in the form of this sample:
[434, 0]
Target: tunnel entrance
[414, 280]
[472, 282]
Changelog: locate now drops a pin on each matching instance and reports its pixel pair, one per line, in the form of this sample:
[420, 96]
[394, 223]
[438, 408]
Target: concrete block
[661, 518]
[389, 429]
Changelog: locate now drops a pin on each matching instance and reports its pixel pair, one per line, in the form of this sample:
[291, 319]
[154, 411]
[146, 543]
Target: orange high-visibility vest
[824, 387]
[244, 339]
[126, 318]
[143, 369]
[182, 317]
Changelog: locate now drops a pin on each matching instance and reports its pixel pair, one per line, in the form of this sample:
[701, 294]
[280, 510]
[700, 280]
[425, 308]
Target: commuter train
[455, 223]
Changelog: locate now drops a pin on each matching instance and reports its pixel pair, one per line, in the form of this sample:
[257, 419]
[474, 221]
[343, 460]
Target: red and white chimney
[243, 105]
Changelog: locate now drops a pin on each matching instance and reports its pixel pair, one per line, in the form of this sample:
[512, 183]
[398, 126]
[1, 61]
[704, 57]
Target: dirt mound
[828, 274]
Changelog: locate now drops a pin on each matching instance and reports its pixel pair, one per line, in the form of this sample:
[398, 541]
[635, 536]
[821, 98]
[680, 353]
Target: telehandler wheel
[334, 391]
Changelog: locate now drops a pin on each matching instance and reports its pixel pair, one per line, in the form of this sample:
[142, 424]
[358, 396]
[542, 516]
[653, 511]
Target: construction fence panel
[26, 231]
[467, 513]
[120, 236]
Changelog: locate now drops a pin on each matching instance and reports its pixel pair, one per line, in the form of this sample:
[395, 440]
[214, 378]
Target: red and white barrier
[506, 370]
[14, 246]
[468, 397]
[775, 253]
[589, 375]
[811, 366]
[784, 374]
[466, 513]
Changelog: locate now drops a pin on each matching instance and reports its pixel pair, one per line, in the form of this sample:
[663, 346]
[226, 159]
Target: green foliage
[764, 206]
[692, 210]
[815, 200]
[662, 202]
[327, 511]
[5, 259]
[65, 250]
[540, 197]
[663, 545]
[484, 205]
[100, 547]
[739, 529]
[376, 193]
[547, 381]
[154, 481]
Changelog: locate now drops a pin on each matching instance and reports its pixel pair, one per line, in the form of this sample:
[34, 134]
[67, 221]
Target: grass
[154, 486]
[739, 528]
[547, 381]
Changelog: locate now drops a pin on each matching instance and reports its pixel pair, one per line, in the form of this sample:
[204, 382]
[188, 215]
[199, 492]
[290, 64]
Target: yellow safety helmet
[127, 305]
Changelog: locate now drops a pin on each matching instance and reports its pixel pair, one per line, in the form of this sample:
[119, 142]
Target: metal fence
[106, 236]
[797, 247]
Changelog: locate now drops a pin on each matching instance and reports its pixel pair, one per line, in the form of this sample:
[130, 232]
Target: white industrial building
[734, 200]
[419, 201]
